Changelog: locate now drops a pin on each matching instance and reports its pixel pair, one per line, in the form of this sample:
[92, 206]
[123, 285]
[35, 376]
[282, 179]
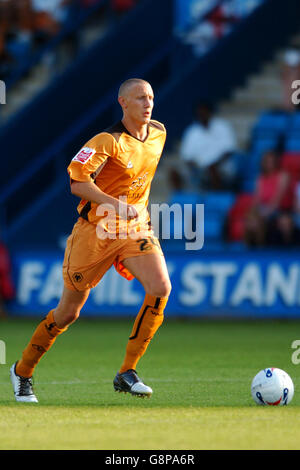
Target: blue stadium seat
[271, 123]
[248, 185]
[292, 144]
[295, 122]
[19, 49]
[213, 227]
[253, 164]
[220, 201]
[216, 207]
[265, 143]
[176, 225]
[184, 197]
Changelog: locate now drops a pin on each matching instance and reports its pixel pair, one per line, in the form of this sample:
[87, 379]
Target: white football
[272, 386]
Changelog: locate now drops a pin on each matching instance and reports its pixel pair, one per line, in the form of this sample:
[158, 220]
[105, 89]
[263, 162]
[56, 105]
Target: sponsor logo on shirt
[84, 155]
[139, 182]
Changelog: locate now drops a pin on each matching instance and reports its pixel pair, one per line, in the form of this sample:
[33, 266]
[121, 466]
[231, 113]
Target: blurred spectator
[24, 22]
[207, 153]
[49, 15]
[273, 190]
[254, 229]
[235, 219]
[5, 22]
[290, 73]
[216, 24]
[283, 232]
[23, 16]
[16, 23]
[29, 24]
[7, 290]
[273, 193]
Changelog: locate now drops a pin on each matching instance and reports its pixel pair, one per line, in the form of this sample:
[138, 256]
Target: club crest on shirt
[77, 277]
[84, 155]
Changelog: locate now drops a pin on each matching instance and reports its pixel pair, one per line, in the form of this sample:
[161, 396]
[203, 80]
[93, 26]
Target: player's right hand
[127, 211]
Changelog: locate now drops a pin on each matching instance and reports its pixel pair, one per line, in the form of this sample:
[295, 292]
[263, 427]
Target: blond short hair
[128, 83]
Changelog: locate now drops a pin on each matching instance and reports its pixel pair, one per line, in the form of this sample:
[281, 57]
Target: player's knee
[165, 289]
[66, 318]
[72, 316]
[161, 288]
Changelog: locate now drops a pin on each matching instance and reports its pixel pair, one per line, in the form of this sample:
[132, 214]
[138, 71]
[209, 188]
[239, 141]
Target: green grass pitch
[200, 372]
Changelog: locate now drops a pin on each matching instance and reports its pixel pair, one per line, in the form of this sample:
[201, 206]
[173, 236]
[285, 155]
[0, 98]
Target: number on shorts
[145, 243]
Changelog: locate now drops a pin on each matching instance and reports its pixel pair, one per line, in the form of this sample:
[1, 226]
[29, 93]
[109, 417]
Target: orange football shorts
[88, 257]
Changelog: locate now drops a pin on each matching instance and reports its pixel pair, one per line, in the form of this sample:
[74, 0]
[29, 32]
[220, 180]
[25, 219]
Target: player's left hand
[132, 213]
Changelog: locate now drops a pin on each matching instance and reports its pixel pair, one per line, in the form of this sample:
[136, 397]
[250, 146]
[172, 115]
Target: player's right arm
[89, 161]
[90, 192]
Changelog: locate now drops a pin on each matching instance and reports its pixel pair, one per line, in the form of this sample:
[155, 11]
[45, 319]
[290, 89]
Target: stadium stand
[59, 133]
[33, 28]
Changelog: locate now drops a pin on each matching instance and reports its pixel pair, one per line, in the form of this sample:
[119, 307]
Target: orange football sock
[147, 322]
[42, 340]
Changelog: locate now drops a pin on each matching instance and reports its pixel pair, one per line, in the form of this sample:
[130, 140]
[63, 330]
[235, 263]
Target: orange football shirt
[122, 166]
